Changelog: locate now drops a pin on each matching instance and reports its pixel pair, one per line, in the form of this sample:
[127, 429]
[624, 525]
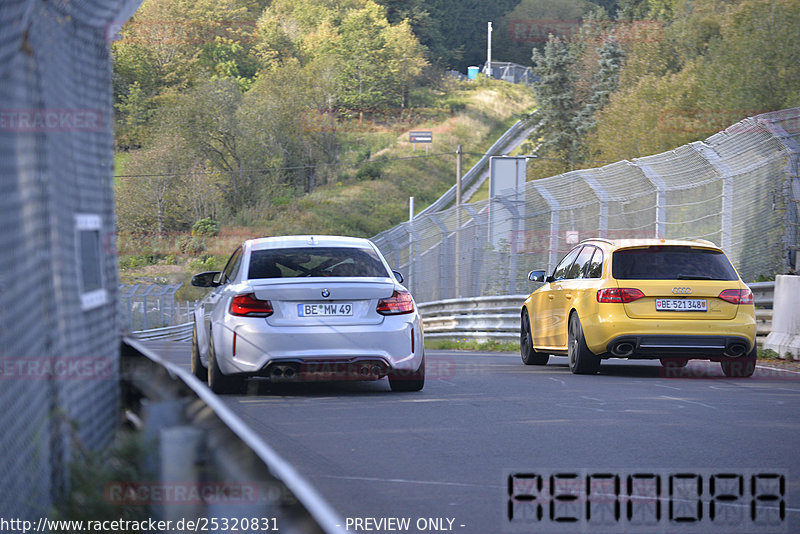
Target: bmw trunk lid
[324, 301]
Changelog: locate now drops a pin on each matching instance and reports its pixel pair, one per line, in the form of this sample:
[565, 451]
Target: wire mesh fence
[738, 188]
[59, 329]
[146, 306]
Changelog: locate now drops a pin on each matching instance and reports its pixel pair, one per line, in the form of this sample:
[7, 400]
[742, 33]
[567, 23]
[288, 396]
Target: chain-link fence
[59, 329]
[146, 306]
[512, 72]
[738, 188]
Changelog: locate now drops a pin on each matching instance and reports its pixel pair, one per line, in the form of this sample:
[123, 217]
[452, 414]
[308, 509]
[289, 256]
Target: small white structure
[785, 335]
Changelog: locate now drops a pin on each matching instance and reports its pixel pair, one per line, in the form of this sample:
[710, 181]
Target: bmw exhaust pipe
[282, 373]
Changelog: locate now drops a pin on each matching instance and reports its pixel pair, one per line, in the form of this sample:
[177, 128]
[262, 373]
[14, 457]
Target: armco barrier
[297, 506]
[495, 150]
[482, 318]
[498, 317]
[181, 332]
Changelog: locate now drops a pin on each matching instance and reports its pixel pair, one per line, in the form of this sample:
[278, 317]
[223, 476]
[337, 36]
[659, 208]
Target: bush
[205, 228]
[134, 261]
[203, 263]
[191, 245]
[369, 171]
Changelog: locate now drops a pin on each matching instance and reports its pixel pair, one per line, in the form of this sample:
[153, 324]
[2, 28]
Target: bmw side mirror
[206, 279]
[398, 276]
[537, 276]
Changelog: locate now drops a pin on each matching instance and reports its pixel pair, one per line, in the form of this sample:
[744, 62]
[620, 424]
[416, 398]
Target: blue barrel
[472, 72]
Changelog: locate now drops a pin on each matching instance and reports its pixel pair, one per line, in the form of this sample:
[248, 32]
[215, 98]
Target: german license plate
[327, 309]
[699, 305]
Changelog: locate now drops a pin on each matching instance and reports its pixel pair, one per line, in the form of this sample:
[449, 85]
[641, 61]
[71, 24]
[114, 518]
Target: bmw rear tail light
[400, 302]
[248, 305]
[619, 295]
[737, 296]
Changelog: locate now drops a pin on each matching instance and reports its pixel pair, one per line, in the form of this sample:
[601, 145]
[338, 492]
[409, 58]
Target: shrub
[191, 245]
[206, 227]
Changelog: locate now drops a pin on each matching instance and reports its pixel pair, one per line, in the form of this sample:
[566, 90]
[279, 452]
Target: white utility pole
[489, 53]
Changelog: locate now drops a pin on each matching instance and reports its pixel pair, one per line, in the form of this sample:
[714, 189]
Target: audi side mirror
[537, 276]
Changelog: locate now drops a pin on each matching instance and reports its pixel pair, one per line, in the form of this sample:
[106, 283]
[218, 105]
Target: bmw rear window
[315, 261]
[671, 263]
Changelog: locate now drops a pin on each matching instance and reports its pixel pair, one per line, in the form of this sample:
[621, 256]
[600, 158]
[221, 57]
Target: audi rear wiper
[694, 277]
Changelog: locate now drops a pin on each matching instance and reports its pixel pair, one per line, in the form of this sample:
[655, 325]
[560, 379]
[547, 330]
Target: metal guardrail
[181, 332]
[496, 149]
[498, 317]
[316, 514]
[482, 317]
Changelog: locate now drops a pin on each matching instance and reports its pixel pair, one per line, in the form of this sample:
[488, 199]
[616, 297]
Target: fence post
[554, 223]
[477, 248]
[444, 249]
[602, 196]
[726, 172]
[791, 190]
[516, 216]
[661, 197]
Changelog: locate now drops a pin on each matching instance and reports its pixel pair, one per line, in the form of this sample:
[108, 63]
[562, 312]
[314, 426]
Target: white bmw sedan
[305, 308]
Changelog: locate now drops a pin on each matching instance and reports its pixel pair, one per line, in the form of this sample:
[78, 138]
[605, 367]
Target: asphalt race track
[491, 445]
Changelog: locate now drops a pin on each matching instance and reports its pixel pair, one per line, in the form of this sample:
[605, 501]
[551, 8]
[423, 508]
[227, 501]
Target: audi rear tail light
[400, 302]
[619, 295]
[737, 296]
[248, 305]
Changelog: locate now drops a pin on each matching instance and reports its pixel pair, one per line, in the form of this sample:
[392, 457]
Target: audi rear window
[671, 263]
[315, 261]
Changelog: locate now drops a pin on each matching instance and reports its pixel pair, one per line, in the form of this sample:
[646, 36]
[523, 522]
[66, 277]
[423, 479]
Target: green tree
[134, 113]
[610, 59]
[719, 63]
[555, 95]
[147, 197]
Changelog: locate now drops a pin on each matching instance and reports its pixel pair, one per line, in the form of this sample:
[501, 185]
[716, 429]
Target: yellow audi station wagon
[672, 300]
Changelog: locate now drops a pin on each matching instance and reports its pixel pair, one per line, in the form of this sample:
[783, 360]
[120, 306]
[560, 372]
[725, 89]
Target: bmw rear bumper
[358, 352]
